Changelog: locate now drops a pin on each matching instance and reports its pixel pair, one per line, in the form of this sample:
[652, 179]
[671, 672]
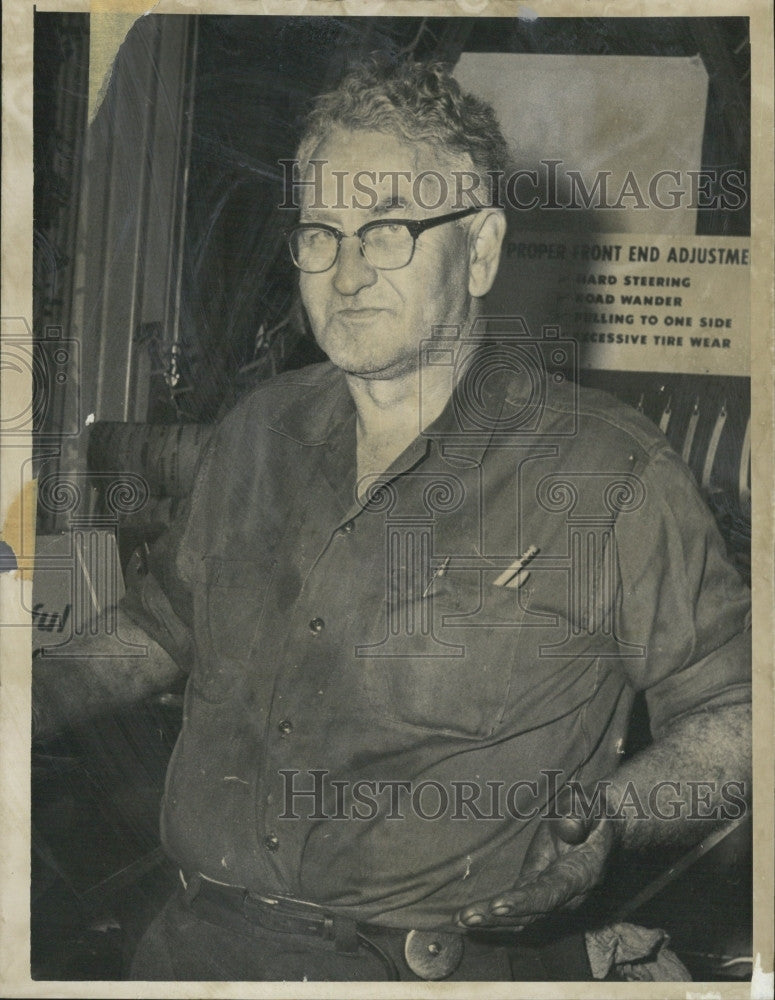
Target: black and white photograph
[386, 552]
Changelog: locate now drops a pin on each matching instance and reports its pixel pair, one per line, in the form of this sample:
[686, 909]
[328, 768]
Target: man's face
[371, 322]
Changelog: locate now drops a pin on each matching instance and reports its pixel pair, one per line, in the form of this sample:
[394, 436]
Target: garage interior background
[163, 292]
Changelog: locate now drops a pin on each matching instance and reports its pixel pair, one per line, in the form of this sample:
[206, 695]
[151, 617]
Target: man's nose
[353, 271]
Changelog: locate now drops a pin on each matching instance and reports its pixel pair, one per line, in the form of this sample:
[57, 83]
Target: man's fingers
[563, 883]
[478, 915]
[558, 886]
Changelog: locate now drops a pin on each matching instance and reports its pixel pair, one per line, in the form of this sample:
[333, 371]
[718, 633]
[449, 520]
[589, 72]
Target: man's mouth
[359, 314]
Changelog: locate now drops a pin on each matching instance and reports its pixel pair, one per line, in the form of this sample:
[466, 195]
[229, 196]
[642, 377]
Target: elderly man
[416, 589]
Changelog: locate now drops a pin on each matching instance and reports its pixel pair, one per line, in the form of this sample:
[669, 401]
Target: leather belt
[431, 955]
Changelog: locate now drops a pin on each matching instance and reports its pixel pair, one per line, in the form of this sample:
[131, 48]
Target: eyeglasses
[387, 244]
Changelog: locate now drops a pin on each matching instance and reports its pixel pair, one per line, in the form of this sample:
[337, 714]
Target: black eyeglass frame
[415, 227]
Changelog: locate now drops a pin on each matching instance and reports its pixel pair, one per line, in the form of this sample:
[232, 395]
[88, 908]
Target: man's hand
[565, 860]
[567, 856]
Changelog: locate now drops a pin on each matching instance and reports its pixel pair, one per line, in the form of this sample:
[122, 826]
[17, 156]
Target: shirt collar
[476, 408]
[327, 405]
[479, 406]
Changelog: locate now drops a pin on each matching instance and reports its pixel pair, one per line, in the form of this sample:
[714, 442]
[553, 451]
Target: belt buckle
[433, 955]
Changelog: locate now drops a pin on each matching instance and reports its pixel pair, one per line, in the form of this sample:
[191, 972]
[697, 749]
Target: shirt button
[272, 842]
[285, 727]
[316, 626]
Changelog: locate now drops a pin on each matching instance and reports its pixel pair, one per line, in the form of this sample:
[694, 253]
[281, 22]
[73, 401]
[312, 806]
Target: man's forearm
[97, 676]
[696, 772]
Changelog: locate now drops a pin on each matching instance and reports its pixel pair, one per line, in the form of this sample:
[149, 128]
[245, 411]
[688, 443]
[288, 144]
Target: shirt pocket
[231, 601]
[461, 683]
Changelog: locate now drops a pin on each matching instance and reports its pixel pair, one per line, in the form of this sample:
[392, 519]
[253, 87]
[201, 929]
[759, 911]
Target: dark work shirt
[373, 720]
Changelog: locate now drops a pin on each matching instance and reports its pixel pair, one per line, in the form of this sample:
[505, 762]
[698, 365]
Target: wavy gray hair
[419, 102]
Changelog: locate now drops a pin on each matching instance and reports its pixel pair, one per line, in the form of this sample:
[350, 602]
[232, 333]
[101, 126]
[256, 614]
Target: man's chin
[360, 364]
[371, 368]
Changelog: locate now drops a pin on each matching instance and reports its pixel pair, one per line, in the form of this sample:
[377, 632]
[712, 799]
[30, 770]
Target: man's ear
[484, 249]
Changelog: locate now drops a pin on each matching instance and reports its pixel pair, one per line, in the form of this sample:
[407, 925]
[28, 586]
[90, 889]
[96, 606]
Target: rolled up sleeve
[680, 600]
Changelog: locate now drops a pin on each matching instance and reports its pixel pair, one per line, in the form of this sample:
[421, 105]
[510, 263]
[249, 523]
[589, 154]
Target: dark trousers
[199, 940]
